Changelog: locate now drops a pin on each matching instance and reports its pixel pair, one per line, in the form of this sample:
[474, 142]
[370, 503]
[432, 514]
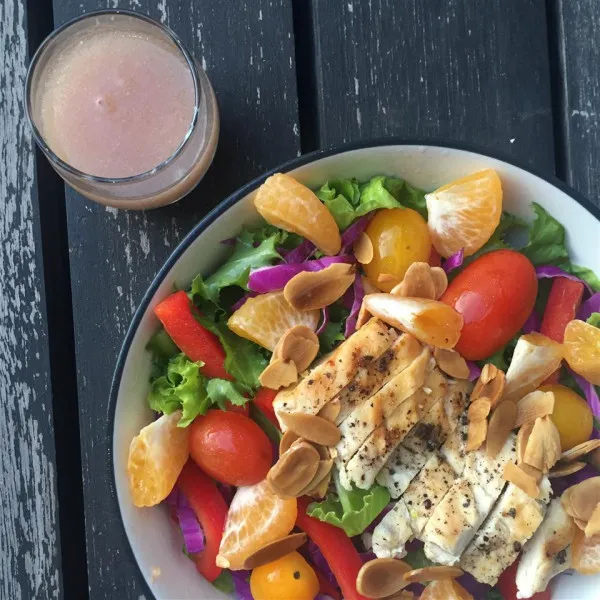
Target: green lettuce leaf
[224, 582]
[259, 418]
[351, 511]
[501, 359]
[594, 319]
[406, 194]
[334, 330]
[221, 391]
[547, 237]
[587, 275]
[417, 559]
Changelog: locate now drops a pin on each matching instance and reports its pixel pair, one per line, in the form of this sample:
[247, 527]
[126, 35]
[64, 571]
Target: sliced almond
[294, 470]
[381, 577]
[480, 409]
[490, 384]
[312, 428]
[324, 452]
[565, 500]
[593, 525]
[440, 280]
[502, 422]
[580, 450]
[534, 405]
[331, 410]
[476, 434]
[523, 438]
[581, 524]
[594, 459]
[432, 574]
[300, 345]
[584, 498]
[279, 373]
[387, 278]
[451, 363]
[562, 469]
[363, 316]
[287, 439]
[401, 595]
[320, 490]
[312, 290]
[417, 282]
[543, 446]
[531, 471]
[363, 249]
[561, 539]
[275, 550]
[522, 480]
[323, 470]
[368, 287]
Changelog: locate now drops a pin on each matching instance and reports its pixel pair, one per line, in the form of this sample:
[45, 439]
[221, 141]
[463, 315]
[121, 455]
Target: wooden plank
[247, 50]
[578, 89]
[30, 560]
[437, 69]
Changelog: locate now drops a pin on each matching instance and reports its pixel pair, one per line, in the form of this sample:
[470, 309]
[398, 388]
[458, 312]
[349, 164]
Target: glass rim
[39, 138]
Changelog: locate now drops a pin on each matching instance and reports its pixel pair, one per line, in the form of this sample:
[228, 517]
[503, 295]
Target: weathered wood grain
[29, 533]
[461, 69]
[577, 37]
[247, 50]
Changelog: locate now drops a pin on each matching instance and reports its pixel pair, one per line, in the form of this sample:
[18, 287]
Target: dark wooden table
[520, 76]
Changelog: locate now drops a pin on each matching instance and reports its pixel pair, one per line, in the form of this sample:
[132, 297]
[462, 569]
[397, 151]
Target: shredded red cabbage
[193, 536]
[242, 585]
[359, 292]
[227, 491]
[560, 484]
[474, 370]
[591, 395]
[300, 253]
[591, 305]
[533, 323]
[242, 300]
[319, 561]
[454, 261]
[474, 587]
[353, 232]
[324, 320]
[550, 272]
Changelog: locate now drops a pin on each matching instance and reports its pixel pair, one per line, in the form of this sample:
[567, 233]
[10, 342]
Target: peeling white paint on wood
[29, 539]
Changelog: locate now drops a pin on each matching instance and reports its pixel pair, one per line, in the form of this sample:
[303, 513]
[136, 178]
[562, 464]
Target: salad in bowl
[380, 393]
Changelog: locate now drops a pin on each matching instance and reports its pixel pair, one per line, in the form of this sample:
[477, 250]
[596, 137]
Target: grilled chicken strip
[547, 553]
[412, 511]
[468, 502]
[364, 466]
[512, 522]
[336, 371]
[368, 415]
[424, 439]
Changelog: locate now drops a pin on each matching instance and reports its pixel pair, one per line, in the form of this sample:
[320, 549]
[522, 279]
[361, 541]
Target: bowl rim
[233, 199]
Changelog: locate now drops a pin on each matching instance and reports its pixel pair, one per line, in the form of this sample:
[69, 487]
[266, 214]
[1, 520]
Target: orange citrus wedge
[256, 517]
[465, 212]
[287, 204]
[264, 319]
[156, 456]
[445, 589]
[582, 350]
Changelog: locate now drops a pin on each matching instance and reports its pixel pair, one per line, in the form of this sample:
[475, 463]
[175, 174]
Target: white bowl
[153, 539]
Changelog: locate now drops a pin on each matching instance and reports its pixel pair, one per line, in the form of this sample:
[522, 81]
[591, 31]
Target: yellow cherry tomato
[400, 237]
[287, 578]
[572, 416]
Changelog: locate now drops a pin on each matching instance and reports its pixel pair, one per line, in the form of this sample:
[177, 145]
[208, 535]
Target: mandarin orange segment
[287, 204]
[445, 589]
[582, 350]
[265, 318]
[156, 456]
[465, 212]
[256, 517]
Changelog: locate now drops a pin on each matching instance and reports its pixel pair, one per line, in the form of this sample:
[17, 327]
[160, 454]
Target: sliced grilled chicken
[468, 502]
[412, 511]
[424, 439]
[336, 371]
[368, 415]
[547, 553]
[363, 467]
[512, 522]
[372, 377]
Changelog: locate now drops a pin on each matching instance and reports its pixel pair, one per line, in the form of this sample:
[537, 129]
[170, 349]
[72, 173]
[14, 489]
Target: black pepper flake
[427, 504]
[296, 574]
[352, 387]
[311, 381]
[512, 512]
[464, 420]
[561, 557]
[517, 547]
[467, 503]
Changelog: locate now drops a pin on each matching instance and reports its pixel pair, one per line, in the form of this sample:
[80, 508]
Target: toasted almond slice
[565, 500]
[543, 446]
[480, 409]
[562, 469]
[287, 439]
[451, 363]
[300, 345]
[476, 434]
[522, 439]
[584, 497]
[401, 595]
[594, 459]
[381, 577]
[531, 471]
[312, 290]
[580, 450]
[324, 451]
[534, 405]
[312, 428]
[331, 410]
[440, 281]
[521, 479]
[363, 316]
[323, 470]
[363, 249]
[502, 422]
[275, 550]
[593, 525]
[417, 282]
[368, 287]
[279, 373]
[489, 385]
[294, 470]
[432, 574]
[320, 490]
[581, 524]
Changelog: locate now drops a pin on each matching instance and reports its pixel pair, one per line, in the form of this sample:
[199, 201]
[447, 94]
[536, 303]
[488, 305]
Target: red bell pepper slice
[211, 510]
[337, 548]
[264, 402]
[563, 302]
[197, 343]
[326, 587]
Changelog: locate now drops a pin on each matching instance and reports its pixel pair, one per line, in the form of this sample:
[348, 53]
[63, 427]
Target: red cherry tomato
[495, 294]
[508, 586]
[230, 447]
